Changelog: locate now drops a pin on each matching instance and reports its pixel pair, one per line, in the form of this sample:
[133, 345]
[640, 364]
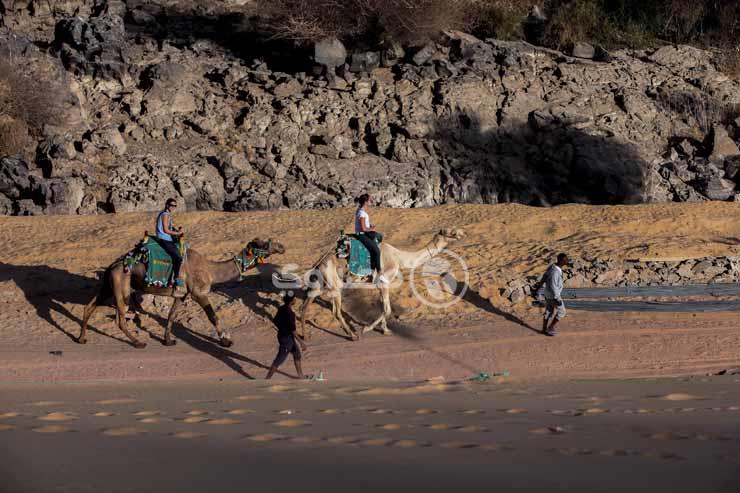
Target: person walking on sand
[554, 306]
[288, 341]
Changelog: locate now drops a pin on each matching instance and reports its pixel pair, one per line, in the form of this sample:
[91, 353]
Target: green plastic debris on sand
[483, 376]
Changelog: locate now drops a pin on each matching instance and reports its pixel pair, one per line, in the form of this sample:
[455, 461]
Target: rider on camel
[166, 237]
[366, 233]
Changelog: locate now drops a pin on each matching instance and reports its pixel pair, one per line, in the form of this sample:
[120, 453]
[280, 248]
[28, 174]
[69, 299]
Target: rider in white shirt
[365, 232]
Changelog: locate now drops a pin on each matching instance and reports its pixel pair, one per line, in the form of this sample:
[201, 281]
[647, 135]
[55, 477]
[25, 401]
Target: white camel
[392, 261]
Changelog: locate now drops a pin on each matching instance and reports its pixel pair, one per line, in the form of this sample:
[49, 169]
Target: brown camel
[199, 274]
[392, 260]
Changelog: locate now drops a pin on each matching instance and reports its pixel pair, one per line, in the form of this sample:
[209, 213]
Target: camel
[199, 274]
[392, 261]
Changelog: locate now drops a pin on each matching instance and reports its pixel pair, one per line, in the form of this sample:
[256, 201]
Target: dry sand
[48, 267]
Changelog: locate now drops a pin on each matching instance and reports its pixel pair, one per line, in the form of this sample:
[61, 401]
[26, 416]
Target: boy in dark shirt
[287, 339]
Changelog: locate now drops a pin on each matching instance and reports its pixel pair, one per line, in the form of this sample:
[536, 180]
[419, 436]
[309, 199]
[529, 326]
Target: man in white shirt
[553, 281]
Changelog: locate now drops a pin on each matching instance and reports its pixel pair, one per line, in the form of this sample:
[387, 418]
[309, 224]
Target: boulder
[110, 139]
[168, 89]
[364, 62]
[392, 54]
[721, 144]
[583, 50]
[330, 53]
[716, 188]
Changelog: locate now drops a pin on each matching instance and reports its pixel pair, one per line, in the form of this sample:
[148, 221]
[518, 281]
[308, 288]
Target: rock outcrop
[167, 103]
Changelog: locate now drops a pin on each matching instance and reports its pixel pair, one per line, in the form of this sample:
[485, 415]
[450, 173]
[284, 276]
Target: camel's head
[452, 234]
[265, 248]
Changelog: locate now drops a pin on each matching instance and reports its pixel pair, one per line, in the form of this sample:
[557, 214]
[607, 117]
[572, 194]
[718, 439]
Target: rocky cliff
[170, 99]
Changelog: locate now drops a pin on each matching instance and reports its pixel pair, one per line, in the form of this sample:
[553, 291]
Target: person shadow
[466, 293]
[49, 289]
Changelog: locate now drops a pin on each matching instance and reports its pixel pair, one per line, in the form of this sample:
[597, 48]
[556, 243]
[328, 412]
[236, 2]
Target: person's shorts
[287, 346]
[551, 306]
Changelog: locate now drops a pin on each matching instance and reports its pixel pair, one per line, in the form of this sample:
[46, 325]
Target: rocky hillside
[163, 98]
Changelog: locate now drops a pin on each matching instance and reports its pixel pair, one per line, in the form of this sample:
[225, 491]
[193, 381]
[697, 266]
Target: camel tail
[105, 291]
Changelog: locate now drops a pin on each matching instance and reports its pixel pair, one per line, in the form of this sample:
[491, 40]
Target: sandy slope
[48, 265]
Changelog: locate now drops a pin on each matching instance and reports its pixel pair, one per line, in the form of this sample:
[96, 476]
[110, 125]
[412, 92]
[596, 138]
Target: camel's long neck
[411, 260]
[224, 271]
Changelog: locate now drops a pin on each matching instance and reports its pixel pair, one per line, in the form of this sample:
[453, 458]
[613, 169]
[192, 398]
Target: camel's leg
[89, 310]
[336, 308]
[168, 339]
[224, 338]
[381, 320]
[310, 297]
[121, 308]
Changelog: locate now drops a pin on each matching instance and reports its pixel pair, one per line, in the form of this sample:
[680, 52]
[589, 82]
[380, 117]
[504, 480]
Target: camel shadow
[48, 289]
[207, 345]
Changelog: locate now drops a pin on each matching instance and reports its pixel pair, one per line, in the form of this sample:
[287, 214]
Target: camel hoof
[139, 345]
[224, 342]
[386, 332]
[169, 342]
[82, 340]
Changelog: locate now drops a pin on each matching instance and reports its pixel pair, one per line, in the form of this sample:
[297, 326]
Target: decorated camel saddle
[357, 255]
[157, 261]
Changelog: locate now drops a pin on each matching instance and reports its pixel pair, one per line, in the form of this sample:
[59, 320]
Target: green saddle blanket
[359, 258]
[158, 262]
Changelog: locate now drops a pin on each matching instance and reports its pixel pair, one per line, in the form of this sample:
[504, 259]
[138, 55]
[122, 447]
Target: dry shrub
[501, 19]
[365, 22]
[28, 101]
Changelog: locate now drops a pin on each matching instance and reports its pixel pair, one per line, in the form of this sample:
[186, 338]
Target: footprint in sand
[656, 454]
[305, 440]
[104, 414]
[516, 410]
[4, 427]
[148, 413]
[460, 445]
[330, 411]
[223, 421]
[595, 410]
[287, 412]
[472, 411]
[51, 429]
[240, 412]
[407, 443]
[187, 434]
[472, 429]
[681, 397]
[343, 440]
[439, 426]
[249, 397]
[110, 402]
[377, 442]
[58, 417]
[47, 403]
[265, 437]
[291, 423]
[151, 420]
[669, 435]
[9, 415]
[194, 419]
[572, 451]
[619, 453]
[426, 412]
[548, 430]
[197, 412]
[390, 426]
[124, 431]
